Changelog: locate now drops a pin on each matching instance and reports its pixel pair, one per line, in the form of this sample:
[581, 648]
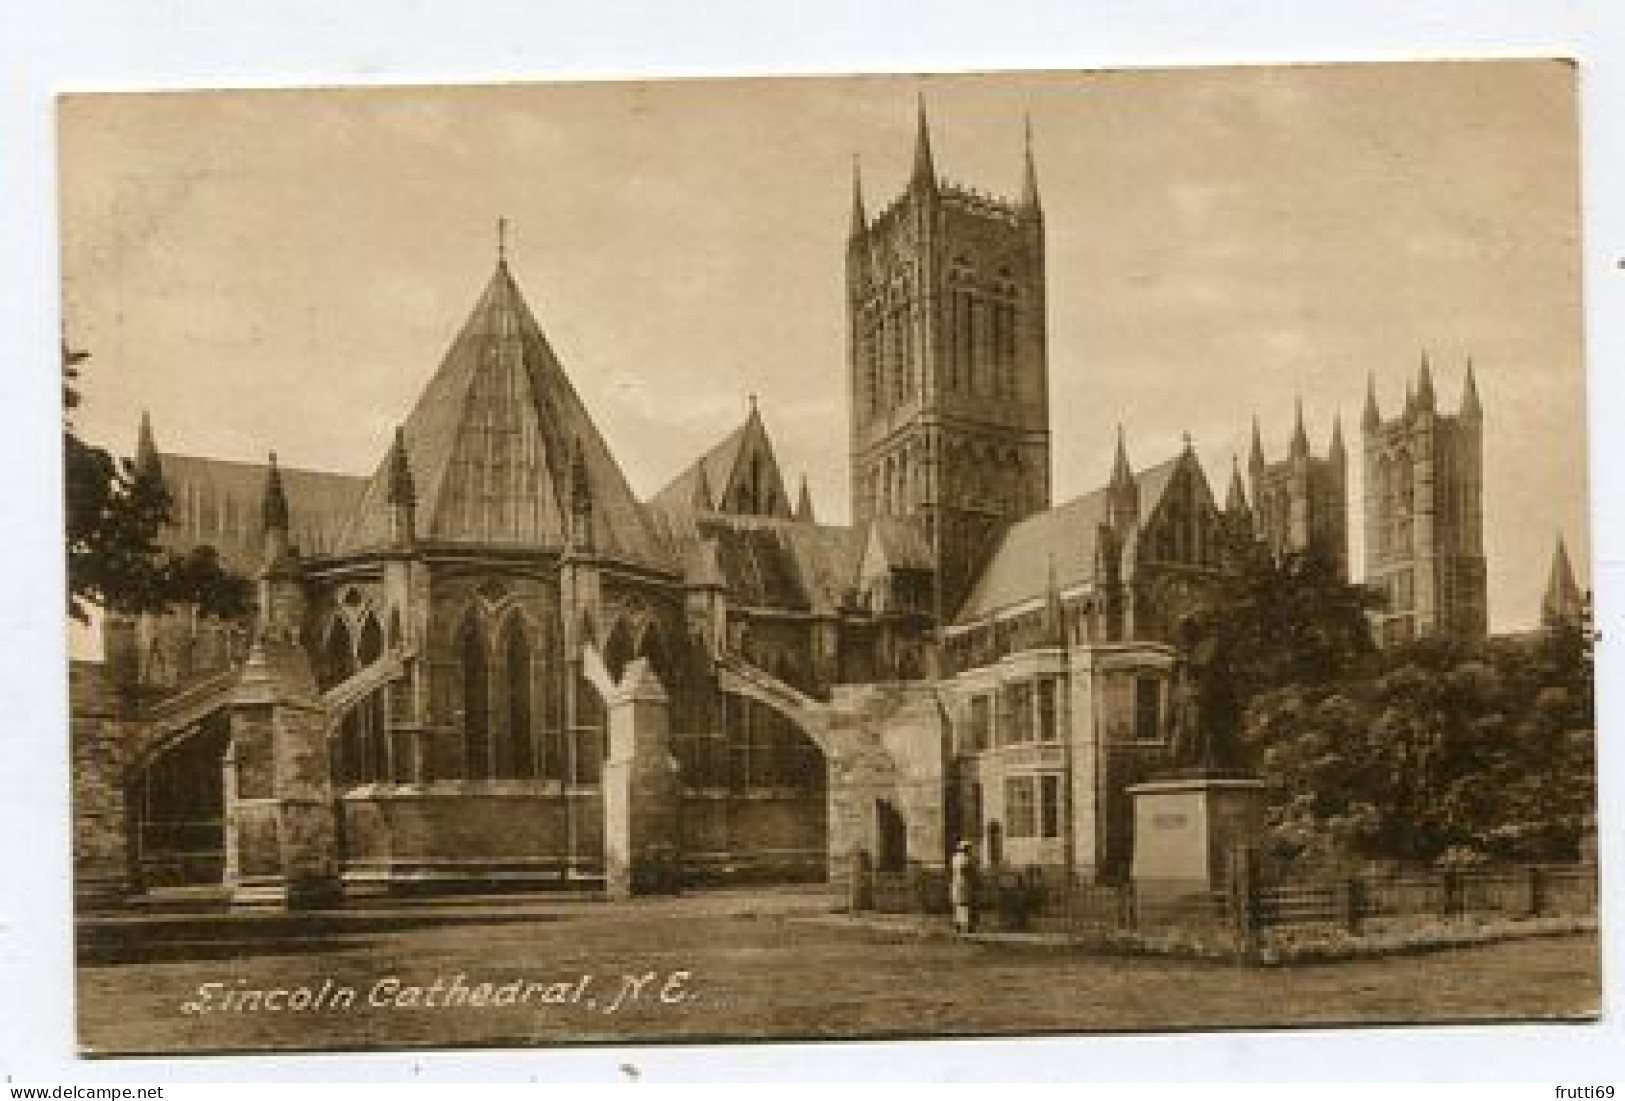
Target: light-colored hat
[964, 846]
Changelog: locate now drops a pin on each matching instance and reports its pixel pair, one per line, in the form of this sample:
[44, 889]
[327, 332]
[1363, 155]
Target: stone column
[280, 811]
[641, 789]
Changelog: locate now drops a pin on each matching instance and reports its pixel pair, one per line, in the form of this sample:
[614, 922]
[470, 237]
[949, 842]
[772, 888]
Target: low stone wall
[762, 836]
[470, 832]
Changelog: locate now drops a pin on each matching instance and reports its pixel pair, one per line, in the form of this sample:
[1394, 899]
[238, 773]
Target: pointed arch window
[336, 665]
[475, 666]
[959, 325]
[520, 757]
[587, 739]
[652, 648]
[869, 356]
[370, 715]
[338, 655]
[899, 320]
[552, 751]
[1003, 308]
[618, 650]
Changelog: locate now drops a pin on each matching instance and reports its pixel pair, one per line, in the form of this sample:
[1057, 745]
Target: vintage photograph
[830, 557]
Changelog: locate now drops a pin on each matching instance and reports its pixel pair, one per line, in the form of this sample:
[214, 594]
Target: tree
[1432, 749]
[1268, 622]
[1439, 750]
[116, 510]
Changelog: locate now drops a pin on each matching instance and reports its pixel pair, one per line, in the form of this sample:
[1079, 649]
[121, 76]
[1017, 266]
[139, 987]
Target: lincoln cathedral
[492, 662]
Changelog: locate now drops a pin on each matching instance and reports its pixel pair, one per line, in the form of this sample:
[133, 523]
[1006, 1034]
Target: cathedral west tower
[1424, 515]
[948, 365]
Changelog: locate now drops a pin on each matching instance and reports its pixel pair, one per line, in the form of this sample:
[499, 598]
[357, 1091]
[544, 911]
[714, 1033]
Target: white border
[46, 48]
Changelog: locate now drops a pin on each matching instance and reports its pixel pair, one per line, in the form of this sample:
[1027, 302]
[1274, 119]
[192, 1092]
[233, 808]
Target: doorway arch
[891, 838]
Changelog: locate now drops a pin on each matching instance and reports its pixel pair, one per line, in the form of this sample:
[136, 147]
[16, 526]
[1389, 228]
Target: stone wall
[641, 790]
[102, 872]
[887, 743]
[499, 830]
[766, 834]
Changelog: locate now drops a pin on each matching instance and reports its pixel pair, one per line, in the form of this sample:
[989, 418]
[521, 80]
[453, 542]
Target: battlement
[976, 201]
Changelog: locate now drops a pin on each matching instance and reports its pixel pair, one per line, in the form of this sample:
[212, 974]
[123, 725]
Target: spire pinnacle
[1336, 451]
[274, 502]
[1424, 386]
[402, 492]
[1029, 173]
[1469, 395]
[280, 561]
[1371, 418]
[860, 219]
[1121, 472]
[704, 500]
[1255, 457]
[1235, 499]
[925, 172]
[1054, 614]
[804, 505]
[147, 463]
[1123, 494]
[1562, 602]
[1300, 438]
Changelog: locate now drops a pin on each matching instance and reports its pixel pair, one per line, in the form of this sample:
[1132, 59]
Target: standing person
[962, 887]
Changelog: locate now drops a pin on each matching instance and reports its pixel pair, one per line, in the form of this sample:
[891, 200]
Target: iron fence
[1049, 900]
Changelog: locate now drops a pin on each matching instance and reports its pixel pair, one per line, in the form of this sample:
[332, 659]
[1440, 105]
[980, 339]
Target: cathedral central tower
[948, 365]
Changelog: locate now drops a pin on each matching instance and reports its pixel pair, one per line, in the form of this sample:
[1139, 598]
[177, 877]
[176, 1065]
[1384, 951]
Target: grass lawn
[762, 974]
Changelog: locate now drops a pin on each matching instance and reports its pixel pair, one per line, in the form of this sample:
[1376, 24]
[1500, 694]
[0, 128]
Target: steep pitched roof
[896, 543]
[1562, 601]
[770, 562]
[216, 502]
[711, 470]
[1062, 539]
[490, 441]
[1153, 482]
[826, 561]
[725, 470]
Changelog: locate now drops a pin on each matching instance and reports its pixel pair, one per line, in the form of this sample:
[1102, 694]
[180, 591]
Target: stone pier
[1187, 827]
[281, 835]
[641, 788]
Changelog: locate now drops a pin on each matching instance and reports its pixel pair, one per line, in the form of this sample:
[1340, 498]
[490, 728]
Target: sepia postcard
[841, 557]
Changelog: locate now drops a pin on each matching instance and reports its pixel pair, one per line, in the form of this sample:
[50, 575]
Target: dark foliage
[1434, 750]
[114, 515]
[1267, 623]
[1443, 751]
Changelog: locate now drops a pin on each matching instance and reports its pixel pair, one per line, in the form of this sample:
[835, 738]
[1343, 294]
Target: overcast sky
[284, 269]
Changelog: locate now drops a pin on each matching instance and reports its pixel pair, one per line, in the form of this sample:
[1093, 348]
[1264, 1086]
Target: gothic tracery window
[520, 758]
[475, 665]
[1003, 310]
[371, 731]
[337, 664]
[618, 650]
